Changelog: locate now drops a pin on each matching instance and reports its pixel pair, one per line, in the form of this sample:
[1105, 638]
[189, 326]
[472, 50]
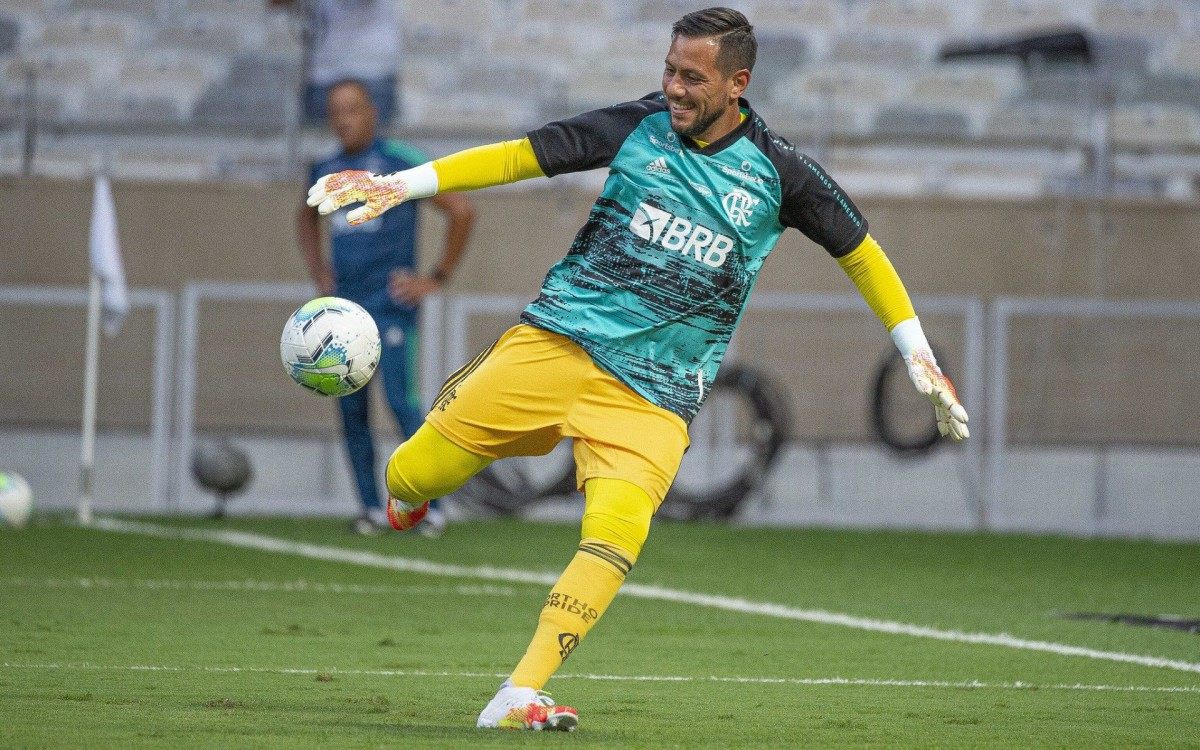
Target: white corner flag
[108, 298]
[105, 251]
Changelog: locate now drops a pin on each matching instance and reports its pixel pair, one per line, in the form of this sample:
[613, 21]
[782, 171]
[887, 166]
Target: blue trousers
[398, 370]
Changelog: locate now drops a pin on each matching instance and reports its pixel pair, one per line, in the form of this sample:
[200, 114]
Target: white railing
[163, 305]
[446, 322]
[1003, 311]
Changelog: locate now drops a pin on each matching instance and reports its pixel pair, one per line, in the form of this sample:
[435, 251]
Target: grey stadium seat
[909, 122]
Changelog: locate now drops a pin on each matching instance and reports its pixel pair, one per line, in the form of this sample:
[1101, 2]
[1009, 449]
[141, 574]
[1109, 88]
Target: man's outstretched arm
[479, 167]
[880, 285]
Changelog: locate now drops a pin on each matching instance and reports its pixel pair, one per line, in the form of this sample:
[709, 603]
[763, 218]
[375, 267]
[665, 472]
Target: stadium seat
[209, 33]
[468, 114]
[844, 83]
[540, 44]
[443, 43]
[80, 67]
[254, 70]
[1167, 89]
[228, 104]
[282, 36]
[797, 16]
[808, 119]
[779, 57]
[12, 107]
[1155, 126]
[663, 11]
[165, 69]
[94, 30]
[907, 15]
[558, 12]
[1066, 85]
[642, 47]
[245, 9]
[1148, 18]
[1034, 123]
[909, 122]
[1008, 16]
[877, 49]
[476, 16]
[1182, 57]
[132, 107]
[608, 82]
[966, 84]
[499, 77]
[110, 6]
[37, 8]
[10, 35]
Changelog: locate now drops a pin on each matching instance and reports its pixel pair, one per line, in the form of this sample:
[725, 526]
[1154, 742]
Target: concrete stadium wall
[1084, 381]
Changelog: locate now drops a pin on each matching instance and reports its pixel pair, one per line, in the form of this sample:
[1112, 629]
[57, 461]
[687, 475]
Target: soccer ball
[16, 500]
[330, 346]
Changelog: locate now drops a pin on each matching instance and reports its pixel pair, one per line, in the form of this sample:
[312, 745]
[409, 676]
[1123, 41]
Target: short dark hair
[358, 83]
[737, 47]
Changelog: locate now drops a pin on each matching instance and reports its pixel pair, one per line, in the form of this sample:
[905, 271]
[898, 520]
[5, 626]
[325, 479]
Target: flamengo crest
[739, 206]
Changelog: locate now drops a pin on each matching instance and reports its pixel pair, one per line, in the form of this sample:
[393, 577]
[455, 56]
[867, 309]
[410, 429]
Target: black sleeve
[813, 203]
[590, 140]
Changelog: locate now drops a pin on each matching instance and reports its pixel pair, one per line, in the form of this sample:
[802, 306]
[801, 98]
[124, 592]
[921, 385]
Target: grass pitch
[119, 639]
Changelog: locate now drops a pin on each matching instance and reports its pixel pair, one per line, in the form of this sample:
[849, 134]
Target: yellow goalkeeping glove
[377, 193]
[929, 379]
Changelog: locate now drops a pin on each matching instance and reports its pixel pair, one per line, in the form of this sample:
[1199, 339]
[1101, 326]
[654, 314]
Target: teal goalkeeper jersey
[657, 279]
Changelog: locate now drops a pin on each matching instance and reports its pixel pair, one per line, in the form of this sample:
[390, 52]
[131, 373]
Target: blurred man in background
[344, 39]
[375, 265]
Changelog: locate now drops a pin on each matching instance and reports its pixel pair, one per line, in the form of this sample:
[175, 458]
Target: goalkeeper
[621, 346]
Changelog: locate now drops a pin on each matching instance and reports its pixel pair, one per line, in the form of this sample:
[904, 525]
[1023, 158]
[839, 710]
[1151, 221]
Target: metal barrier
[446, 322]
[163, 305]
[1003, 310]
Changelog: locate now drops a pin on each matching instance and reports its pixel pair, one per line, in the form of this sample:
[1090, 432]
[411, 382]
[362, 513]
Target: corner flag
[108, 299]
[105, 251]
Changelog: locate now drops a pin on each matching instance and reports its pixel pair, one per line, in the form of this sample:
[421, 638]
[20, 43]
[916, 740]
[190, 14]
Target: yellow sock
[615, 524]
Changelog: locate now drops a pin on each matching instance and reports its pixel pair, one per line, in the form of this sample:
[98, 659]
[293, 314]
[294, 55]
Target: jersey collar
[729, 138]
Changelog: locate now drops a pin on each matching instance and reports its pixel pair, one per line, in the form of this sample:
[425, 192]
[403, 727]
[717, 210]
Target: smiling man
[620, 348]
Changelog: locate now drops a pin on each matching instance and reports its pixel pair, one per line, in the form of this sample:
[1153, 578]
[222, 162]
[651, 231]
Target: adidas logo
[659, 166]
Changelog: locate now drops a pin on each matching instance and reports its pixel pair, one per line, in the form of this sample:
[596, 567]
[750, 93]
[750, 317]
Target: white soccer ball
[16, 500]
[330, 346]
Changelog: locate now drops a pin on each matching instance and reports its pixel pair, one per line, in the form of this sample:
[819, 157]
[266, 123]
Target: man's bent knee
[428, 465]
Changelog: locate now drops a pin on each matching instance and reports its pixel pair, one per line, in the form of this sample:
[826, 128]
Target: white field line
[299, 586]
[809, 681]
[248, 540]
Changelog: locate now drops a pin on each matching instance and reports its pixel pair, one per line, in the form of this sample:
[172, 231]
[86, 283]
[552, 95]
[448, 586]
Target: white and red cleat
[526, 708]
[403, 516]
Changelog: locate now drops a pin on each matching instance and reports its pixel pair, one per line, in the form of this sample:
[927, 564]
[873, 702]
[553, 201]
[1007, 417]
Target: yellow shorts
[532, 388]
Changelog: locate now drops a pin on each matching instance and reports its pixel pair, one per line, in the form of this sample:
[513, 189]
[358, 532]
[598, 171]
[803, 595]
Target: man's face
[352, 116]
[697, 91]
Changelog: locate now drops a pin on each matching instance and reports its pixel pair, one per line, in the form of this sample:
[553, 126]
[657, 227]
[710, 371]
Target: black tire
[772, 424]
[892, 366]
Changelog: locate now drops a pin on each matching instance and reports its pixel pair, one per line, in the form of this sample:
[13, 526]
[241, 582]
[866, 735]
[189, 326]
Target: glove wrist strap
[909, 338]
[421, 181]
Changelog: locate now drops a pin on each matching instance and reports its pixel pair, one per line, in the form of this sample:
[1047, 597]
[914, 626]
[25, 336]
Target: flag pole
[87, 453]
